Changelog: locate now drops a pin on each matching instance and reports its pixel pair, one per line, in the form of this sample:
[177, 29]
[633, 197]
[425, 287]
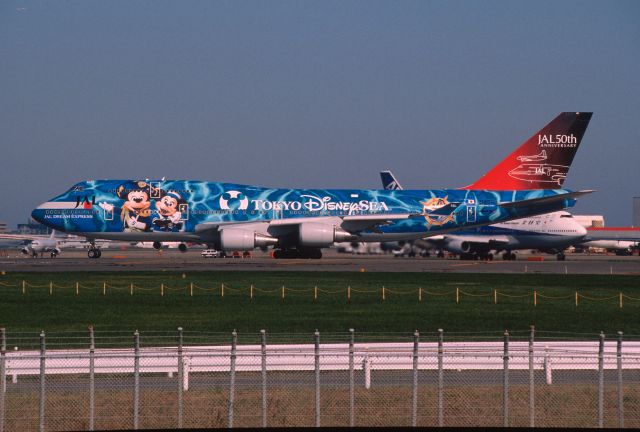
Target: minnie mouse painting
[169, 216]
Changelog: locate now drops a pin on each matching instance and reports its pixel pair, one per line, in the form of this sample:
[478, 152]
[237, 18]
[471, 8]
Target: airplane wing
[351, 223]
[494, 241]
[22, 236]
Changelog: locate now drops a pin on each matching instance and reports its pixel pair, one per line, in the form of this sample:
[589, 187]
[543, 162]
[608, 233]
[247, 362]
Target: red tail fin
[543, 161]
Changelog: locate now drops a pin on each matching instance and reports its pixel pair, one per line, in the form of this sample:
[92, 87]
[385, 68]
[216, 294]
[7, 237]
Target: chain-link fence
[114, 380]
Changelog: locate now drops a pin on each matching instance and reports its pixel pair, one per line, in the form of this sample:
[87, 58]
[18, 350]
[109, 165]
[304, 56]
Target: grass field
[61, 309]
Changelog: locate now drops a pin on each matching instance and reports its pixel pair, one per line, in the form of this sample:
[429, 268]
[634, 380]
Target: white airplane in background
[550, 233]
[41, 244]
[620, 247]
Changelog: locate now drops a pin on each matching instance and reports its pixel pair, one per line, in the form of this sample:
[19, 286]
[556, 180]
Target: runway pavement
[173, 260]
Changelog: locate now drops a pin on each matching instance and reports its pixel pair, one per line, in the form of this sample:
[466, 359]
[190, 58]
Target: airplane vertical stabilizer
[541, 162]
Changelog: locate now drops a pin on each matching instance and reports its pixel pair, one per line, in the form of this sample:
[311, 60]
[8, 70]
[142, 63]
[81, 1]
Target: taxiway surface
[172, 260]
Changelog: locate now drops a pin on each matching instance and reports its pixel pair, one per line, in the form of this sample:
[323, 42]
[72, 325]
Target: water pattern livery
[240, 217]
[206, 202]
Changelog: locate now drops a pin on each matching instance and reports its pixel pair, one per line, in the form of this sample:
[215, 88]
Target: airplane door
[184, 211]
[471, 213]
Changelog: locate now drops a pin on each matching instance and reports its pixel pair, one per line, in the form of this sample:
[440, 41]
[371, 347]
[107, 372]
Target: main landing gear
[310, 253]
[561, 256]
[509, 256]
[93, 251]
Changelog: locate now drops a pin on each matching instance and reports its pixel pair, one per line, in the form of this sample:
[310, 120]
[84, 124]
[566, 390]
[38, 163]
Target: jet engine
[236, 239]
[460, 247]
[311, 234]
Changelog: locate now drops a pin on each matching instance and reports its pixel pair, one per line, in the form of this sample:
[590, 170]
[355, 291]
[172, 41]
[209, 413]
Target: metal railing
[432, 379]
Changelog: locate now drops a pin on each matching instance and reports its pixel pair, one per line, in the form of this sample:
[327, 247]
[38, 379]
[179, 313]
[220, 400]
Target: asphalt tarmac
[173, 260]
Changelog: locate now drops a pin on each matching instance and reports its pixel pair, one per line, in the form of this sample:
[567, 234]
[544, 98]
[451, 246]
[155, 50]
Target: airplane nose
[38, 214]
[581, 231]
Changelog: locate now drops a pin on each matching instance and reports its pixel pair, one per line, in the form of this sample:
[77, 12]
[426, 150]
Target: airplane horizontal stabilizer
[545, 200]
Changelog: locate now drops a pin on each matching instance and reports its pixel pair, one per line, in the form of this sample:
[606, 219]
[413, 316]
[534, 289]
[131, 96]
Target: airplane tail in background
[541, 162]
[389, 181]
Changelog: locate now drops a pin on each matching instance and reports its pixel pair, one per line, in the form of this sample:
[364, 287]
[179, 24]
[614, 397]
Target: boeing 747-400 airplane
[299, 222]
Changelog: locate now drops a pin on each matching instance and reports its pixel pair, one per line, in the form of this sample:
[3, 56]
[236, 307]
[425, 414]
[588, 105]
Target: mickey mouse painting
[169, 216]
[135, 213]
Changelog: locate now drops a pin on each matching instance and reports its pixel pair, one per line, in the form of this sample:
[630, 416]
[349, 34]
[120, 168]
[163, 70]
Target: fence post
[548, 373]
[316, 337]
[180, 378]
[232, 377]
[92, 377]
[3, 375]
[263, 341]
[532, 399]
[440, 378]
[414, 399]
[601, 381]
[505, 381]
[136, 377]
[351, 378]
[366, 365]
[42, 378]
[620, 395]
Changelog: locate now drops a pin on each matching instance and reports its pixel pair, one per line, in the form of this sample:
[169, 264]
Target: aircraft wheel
[561, 256]
[182, 247]
[490, 257]
[91, 253]
[440, 254]
[98, 253]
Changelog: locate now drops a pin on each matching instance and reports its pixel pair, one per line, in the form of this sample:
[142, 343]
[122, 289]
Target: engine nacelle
[236, 239]
[459, 247]
[311, 234]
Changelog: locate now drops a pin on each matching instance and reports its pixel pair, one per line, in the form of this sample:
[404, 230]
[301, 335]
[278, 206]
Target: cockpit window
[566, 216]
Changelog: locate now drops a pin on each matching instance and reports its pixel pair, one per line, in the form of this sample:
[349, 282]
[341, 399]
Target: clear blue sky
[312, 94]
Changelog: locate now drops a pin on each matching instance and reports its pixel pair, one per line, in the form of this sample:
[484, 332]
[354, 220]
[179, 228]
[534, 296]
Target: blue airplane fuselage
[181, 209]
